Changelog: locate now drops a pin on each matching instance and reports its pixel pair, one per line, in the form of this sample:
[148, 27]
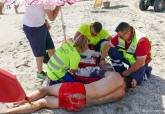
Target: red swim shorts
[72, 96]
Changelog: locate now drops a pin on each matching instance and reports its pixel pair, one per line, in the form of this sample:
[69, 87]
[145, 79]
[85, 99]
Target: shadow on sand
[104, 10]
[116, 7]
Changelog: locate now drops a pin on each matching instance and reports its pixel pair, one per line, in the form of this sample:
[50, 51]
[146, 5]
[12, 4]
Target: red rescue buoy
[10, 88]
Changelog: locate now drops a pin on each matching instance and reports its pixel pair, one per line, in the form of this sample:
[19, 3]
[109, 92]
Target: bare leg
[47, 102]
[104, 87]
[39, 61]
[42, 92]
[51, 52]
[16, 8]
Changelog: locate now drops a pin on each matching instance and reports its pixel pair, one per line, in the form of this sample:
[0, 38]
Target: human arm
[111, 43]
[47, 24]
[143, 49]
[104, 53]
[52, 14]
[135, 67]
[139, 63]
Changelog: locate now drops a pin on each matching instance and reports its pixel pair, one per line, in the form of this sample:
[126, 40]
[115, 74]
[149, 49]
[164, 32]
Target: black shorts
[39, 38]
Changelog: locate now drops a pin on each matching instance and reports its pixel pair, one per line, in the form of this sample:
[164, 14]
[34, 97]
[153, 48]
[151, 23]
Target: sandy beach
[149, 98]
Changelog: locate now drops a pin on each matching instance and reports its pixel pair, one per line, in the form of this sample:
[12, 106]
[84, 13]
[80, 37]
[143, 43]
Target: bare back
[105, 86]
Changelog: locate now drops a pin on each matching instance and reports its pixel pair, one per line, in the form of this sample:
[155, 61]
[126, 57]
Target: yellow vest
[93, 40]
[129, 54]
[65, 58]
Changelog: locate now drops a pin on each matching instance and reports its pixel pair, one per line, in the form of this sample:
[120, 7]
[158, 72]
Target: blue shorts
[66, 78]
[118, 60]
[39, 38]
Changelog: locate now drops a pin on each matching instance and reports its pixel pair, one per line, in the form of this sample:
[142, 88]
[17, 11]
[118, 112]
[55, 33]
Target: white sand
[16, 55]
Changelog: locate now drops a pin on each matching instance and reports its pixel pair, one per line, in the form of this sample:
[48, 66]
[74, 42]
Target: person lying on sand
[74, 96]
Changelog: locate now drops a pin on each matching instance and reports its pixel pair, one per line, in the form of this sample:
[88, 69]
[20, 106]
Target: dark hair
[97, 26]
[123, 26]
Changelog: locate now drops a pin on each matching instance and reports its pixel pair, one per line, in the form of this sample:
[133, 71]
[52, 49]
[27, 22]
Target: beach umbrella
[8, 2]
[10, 88]
[54, 3]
